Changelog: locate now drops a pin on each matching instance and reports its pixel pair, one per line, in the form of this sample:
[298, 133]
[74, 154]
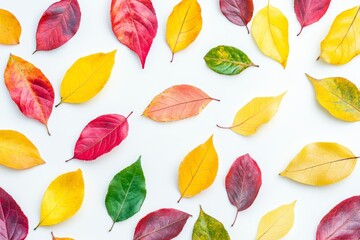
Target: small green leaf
[227, 60]
[208, 228]
[126, 193]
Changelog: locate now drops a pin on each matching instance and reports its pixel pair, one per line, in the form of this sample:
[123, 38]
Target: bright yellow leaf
[321, 163]
[17, 151]
[57, 238]
[62, 199]
[342, 43]
[339, 96]
[183, 25]
[10, 29]
[198, 169]
[277, 223]
[86, 77]
[270, 31]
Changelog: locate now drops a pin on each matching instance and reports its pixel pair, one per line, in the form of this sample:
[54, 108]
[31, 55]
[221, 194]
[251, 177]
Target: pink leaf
[238, 12]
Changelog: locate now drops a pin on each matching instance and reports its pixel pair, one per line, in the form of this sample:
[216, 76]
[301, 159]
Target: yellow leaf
[342, 43]
[339, 96]
[10, 28]
[57, 238]
[17, 151]
[198, 169]
[86, 77]
[276, 223]
[62, 199]
[255, 113]
[321, 163]
[270, 31]
[183, 25]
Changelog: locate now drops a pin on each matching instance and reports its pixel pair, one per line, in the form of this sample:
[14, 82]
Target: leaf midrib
[181, 103]
[230, 61]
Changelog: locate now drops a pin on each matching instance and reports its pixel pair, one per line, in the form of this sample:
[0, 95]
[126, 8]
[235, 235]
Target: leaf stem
[112, 226]
[69, 159]
[223, 127]
[59, 103]
[52, 234]
[237, 212]
[247, 28]
[300, 31]
[180, 199]
[37, 226]
[129, 114]
[172, 57]
[215, 99]
[47, 129]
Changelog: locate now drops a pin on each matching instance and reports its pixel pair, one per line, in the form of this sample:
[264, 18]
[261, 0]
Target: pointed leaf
[176, 103]
[238, 12]
[227, 60]
[163, 224]
[342, 222]
[58, 238]
[126, 193]
[14, 224]
[270, 31]
[342, 43]
[339, 96]
[183, 25]
[134, 23]
[10, 28]
[321, 163]
[17, 151]
[277, 223]
[198, 169]
[58, 24]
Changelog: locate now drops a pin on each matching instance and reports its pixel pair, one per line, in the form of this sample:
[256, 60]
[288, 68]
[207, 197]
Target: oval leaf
[17, 151]
[126, 193]
[163, 224]
[270, 31]
[339, 96]
[198, 169]
[9, 27]
[208, 228]
[62, 198]
[342, 222]
[318, 164]
[29, 89]
[176, 103]
[227, 60]
[58, 238]
[58, 24]
[183, 25]
[342, 42]
[86, 77]
[14, 224]
[243, 183]
[238, 12]
[255, 113]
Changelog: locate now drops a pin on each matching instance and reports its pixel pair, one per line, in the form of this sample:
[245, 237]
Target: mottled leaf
[10, 28]
[238, 12]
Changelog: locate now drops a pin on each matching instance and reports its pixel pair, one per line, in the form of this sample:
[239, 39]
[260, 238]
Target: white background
[299, 121]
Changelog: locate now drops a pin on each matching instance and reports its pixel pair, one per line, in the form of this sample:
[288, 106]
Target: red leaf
[58, 24]
[29, 89]
[163, 224]
[13, 222]
[243, 182]
[238, 12]
[100, 136]
[310, 11]
[342, 222]
[134, 24]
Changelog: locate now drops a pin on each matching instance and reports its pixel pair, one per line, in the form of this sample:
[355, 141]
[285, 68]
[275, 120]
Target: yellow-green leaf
[17, 151]
[198, 169]
[321, 163]
[342, 43]
[62, 199]
[10, 29]
[86, 77]
[270, 31]
[339, 96]
[276, 223]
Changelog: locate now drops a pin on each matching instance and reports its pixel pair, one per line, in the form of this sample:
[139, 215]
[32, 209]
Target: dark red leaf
[243, 182]
[13, 222]
[342, 222]
[238, 12]
[135, 25]
[163, 224]
[58, 24]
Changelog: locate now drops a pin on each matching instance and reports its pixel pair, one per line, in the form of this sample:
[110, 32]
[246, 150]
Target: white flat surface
[300, 121]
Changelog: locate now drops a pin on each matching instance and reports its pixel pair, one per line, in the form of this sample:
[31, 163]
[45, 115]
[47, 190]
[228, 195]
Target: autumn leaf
[58, 238]
[10, 28]
[238, 12]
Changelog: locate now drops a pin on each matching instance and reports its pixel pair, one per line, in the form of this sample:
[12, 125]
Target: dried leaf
[58, 238]
[10, 28]
[238, 12]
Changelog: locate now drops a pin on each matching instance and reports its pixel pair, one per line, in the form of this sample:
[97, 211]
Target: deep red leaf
[342, 222]
[238, 12]
[243, 182]
[58, 24]
[135, 25]
[163, 224]
[13, 222]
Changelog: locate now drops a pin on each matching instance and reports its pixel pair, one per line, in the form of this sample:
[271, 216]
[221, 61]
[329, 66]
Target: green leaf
[126, 193]
[227, 60]
[208, 228]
